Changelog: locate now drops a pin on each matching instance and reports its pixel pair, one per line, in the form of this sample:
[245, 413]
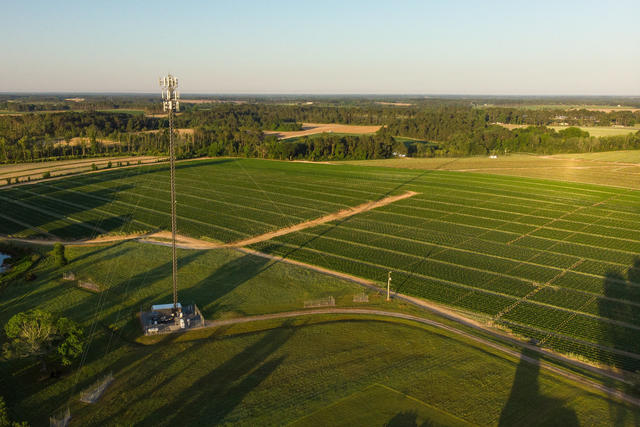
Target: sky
[323, 47]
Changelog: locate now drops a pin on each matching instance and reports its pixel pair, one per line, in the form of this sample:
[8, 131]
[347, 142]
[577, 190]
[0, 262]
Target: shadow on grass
[527, 405]
[214, 395]
[622, 294]
[207, 293]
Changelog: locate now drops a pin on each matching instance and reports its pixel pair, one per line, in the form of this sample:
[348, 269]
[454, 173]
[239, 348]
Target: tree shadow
[405, 419]
[214, 395]
[526, 404]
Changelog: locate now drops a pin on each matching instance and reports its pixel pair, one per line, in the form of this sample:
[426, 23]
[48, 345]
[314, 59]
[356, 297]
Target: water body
[3, 257]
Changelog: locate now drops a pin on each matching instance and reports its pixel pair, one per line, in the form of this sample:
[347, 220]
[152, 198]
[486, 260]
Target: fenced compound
[69, 276]
[62, 420]
[321, 302]
[361, 297]
[89, 285]
[92, 394]
[162, 321]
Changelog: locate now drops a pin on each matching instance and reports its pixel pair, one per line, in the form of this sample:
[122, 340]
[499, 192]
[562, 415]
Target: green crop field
[553, 261]
[329, 369]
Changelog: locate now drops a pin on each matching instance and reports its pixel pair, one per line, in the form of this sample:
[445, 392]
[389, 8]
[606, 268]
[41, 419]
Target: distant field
[599, 131]
[550, 260]
[314, 128]
[596, 131]
[603, 108]
[564, 167]
[35, 170]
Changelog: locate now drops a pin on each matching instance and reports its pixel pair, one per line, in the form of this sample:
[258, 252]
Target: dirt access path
[610, 392]
[184, 242]
[345, 213]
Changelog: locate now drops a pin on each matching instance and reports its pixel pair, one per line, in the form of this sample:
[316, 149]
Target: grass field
[596, 131]
[332, 369]
[599, 131]
[35, 170]
[622, 156]
[553, 261]
[562, 167]
[589, 107]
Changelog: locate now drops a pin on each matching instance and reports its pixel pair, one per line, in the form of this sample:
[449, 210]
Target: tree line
[236, 130]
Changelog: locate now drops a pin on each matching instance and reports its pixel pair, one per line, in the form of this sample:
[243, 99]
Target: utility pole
[389, 287]
[170, 104]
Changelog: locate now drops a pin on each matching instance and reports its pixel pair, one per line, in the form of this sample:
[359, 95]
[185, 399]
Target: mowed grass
[622, 156]
[562, 167]
[553, 261]
[309, 370]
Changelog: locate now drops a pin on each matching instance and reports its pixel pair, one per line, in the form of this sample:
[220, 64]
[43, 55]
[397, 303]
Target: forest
[235, 129]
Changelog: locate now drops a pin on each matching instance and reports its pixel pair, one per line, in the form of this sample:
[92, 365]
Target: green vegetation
[37, 334]
[453, 127]
[59, 255]
[600, 131]
[270, 372]
[375, 403]
[548, 260]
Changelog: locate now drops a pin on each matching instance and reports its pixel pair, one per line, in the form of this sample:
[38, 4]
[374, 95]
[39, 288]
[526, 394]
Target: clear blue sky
[403, 47]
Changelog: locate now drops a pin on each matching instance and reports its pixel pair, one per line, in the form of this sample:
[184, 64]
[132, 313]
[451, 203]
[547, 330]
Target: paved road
[363, 311]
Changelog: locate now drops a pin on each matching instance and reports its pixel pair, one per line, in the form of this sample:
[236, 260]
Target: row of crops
[553, 261]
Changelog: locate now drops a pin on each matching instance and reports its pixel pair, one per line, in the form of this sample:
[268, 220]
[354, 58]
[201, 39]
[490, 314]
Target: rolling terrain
[309, 370]
[551, 261]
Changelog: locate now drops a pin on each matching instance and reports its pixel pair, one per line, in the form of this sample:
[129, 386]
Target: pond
[3, 257]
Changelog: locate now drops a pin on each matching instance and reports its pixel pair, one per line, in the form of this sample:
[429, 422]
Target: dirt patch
[78, 141]
[314, 128]
[181, 131]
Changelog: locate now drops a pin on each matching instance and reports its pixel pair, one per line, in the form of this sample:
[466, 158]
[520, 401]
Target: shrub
[94, 167]
[46, 175]
[59, 256]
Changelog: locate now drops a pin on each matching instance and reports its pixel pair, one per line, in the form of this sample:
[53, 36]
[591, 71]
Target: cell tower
[170, 96]
[167, 318]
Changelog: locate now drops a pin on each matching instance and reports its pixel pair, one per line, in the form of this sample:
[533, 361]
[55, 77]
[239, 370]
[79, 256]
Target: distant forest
[235, 129]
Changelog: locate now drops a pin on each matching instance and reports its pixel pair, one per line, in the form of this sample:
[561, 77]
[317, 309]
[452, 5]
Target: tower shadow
[620, 343]
[526, 405]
